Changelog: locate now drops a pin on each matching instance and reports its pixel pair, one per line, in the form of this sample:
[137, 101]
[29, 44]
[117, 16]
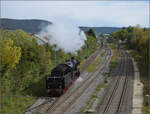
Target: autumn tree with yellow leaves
[9, 54]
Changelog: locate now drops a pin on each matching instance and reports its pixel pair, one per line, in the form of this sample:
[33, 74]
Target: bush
[25, 64]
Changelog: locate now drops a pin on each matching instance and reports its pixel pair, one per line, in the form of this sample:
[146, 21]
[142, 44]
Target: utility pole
[86, 48]
[55, 57]
[55, 54]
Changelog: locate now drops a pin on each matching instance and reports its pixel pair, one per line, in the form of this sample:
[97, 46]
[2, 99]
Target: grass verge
[19, 101]
[15, 104]
[114, 61]
[94, 64]
[93, 97]
[92, 67]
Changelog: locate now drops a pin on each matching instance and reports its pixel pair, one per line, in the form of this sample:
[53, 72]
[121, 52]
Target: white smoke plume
[64, 36]
[80, 79]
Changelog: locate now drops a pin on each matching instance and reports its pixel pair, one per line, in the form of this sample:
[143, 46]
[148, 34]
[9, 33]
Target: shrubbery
[25, 64]
[137, 39]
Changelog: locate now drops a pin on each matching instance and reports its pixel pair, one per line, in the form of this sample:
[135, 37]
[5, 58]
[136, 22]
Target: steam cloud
[80, 79]
[64, 36]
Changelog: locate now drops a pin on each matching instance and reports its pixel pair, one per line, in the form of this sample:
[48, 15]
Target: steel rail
[53, 107]
[120, 74]
[86, 87]
[122, 104]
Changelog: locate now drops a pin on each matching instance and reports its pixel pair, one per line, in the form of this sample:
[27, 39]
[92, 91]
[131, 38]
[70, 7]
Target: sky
[80, 13]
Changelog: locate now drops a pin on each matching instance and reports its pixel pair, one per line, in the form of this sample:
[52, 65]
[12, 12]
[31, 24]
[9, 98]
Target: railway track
[73, 95]
[66, 102]
[116, 98]
[47, 104]
[122, 107]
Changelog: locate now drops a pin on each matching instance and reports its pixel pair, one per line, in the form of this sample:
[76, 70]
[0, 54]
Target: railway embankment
[98, 92]
[137, 92]
[42, 104]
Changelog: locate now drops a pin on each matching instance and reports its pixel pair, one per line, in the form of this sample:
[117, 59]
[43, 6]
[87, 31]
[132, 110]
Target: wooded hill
[29, 26]
[106, 30]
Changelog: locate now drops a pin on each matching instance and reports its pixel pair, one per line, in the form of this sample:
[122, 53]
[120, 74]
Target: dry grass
[92, 67]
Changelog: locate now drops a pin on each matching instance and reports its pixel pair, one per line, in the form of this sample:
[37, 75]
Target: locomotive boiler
[62, 77]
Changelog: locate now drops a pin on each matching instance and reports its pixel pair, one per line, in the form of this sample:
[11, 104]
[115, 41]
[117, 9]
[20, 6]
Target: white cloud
[98, 13]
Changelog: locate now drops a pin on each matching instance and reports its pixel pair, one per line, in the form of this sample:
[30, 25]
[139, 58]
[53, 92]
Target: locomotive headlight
[60, 86]
[48, 90]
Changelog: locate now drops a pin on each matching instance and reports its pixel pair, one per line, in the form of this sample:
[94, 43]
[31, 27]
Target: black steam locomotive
[62, 77]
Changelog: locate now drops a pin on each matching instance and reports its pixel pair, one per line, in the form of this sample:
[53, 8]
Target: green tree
[9, 54]
[90, 32]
